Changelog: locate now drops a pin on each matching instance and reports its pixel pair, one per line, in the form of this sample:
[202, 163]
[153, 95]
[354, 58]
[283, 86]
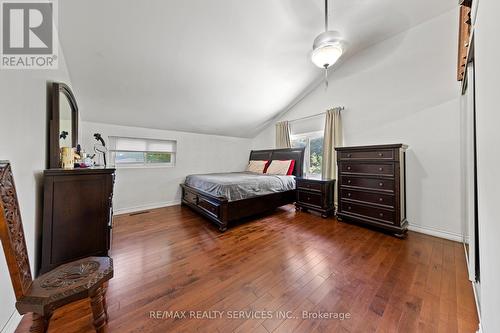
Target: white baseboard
[413, 227]
[478, 307]
[139, 208]
[436, 232]
[12, 323]
[475, 290]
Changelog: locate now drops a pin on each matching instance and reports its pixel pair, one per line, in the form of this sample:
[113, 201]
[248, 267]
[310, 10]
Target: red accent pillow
[267, 166]
[290, 169]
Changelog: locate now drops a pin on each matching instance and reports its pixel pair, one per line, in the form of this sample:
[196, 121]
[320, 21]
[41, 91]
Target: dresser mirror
[63, 121]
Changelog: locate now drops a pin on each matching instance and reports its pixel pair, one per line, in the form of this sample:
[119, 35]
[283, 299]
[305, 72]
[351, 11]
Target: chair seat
[65, 284]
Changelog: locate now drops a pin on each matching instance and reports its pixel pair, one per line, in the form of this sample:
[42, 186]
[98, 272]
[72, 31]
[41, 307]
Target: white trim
[143, 166]
[472, 278]
[475, 287]
[12, 323]
[436, 232]
[134, 209]
[313, 134]
[473, 12]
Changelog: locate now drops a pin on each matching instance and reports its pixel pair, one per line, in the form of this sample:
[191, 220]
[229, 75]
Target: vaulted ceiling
[221, 66]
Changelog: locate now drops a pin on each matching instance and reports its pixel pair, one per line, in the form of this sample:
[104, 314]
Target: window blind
[145, 145]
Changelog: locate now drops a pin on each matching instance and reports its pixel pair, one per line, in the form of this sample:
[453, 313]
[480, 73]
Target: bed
[227, 197]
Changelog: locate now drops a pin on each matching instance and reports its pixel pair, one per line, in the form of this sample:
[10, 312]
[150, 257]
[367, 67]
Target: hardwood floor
[171, 259]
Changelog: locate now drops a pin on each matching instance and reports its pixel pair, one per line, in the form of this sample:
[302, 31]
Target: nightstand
[315, 194]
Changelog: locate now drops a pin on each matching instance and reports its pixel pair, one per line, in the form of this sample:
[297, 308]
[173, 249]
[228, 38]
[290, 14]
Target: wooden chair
[67, 283]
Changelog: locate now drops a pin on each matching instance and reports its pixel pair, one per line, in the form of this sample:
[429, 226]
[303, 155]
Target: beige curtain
[332, 138]
[283, 135]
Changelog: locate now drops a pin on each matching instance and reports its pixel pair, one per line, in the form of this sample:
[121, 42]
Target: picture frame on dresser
[372, 186]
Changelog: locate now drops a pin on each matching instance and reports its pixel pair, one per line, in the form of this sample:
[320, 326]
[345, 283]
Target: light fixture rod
[326, 15]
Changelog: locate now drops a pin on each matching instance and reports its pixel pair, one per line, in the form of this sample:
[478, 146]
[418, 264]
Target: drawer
[309, 198]
[209, 206]
[369, 197]
[312, 186]
[370, 183]
[382, 154]
[191, 197]
[367, 168]
[381, 214]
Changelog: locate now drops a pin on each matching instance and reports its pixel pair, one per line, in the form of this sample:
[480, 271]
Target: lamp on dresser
[372, 186]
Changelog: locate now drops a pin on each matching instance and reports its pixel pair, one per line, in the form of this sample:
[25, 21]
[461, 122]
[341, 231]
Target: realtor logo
[29, 37]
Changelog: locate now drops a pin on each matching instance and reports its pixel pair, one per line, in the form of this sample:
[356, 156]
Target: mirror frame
[55, 89]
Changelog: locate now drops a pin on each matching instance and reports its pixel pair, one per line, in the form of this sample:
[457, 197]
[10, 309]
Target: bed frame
[221, 211]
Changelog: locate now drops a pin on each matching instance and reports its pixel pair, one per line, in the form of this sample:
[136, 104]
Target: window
[313, 142]
[135, 152]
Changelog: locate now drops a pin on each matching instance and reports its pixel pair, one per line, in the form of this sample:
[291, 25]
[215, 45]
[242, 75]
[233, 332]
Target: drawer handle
[381, 214]
[381, 184]
[349, 155]
[380, 169]
[348, 181]
[349, 207]
[380, 154]
[349, 194]
[348, 168]
[380, 199]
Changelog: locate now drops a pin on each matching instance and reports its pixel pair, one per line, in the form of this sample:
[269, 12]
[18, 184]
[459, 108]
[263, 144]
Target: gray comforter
[240, 185]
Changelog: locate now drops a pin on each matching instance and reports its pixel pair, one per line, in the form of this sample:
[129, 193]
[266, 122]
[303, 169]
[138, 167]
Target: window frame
[307, 160]
[145, 164]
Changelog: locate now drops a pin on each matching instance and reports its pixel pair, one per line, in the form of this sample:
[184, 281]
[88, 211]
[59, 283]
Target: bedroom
[176, 90]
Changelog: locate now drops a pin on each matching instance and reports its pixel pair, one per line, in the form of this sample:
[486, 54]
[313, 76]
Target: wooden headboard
[296, 154]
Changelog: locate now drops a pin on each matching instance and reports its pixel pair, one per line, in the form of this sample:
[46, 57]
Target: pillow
[256, 166]
[281, 167]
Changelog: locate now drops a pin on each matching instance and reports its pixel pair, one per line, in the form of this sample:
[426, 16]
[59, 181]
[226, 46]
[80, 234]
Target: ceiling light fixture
[327, 47]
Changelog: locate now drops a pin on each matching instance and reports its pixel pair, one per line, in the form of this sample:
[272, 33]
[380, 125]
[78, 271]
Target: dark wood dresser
[77, 217]
[316, 195]
[372, 186]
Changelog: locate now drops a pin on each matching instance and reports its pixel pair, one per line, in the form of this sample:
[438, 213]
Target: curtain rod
[316, 115]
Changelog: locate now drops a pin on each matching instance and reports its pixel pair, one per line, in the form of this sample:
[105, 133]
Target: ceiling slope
[221, 67]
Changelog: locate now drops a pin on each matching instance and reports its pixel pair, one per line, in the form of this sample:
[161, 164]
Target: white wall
[23, 142]
[143, 188]
[487, 51]
[23, 109]
[404, 90]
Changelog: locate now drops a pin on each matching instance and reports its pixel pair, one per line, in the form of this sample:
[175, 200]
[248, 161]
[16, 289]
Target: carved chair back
[12, 233]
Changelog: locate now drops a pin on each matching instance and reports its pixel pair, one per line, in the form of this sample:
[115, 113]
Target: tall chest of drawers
[372, 186]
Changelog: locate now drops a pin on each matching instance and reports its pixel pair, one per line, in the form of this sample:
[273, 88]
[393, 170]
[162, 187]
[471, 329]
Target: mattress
[240, 185]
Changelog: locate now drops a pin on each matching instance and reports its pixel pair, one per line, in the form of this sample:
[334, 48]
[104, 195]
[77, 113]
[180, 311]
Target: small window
[313, 142]
[135, 152]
